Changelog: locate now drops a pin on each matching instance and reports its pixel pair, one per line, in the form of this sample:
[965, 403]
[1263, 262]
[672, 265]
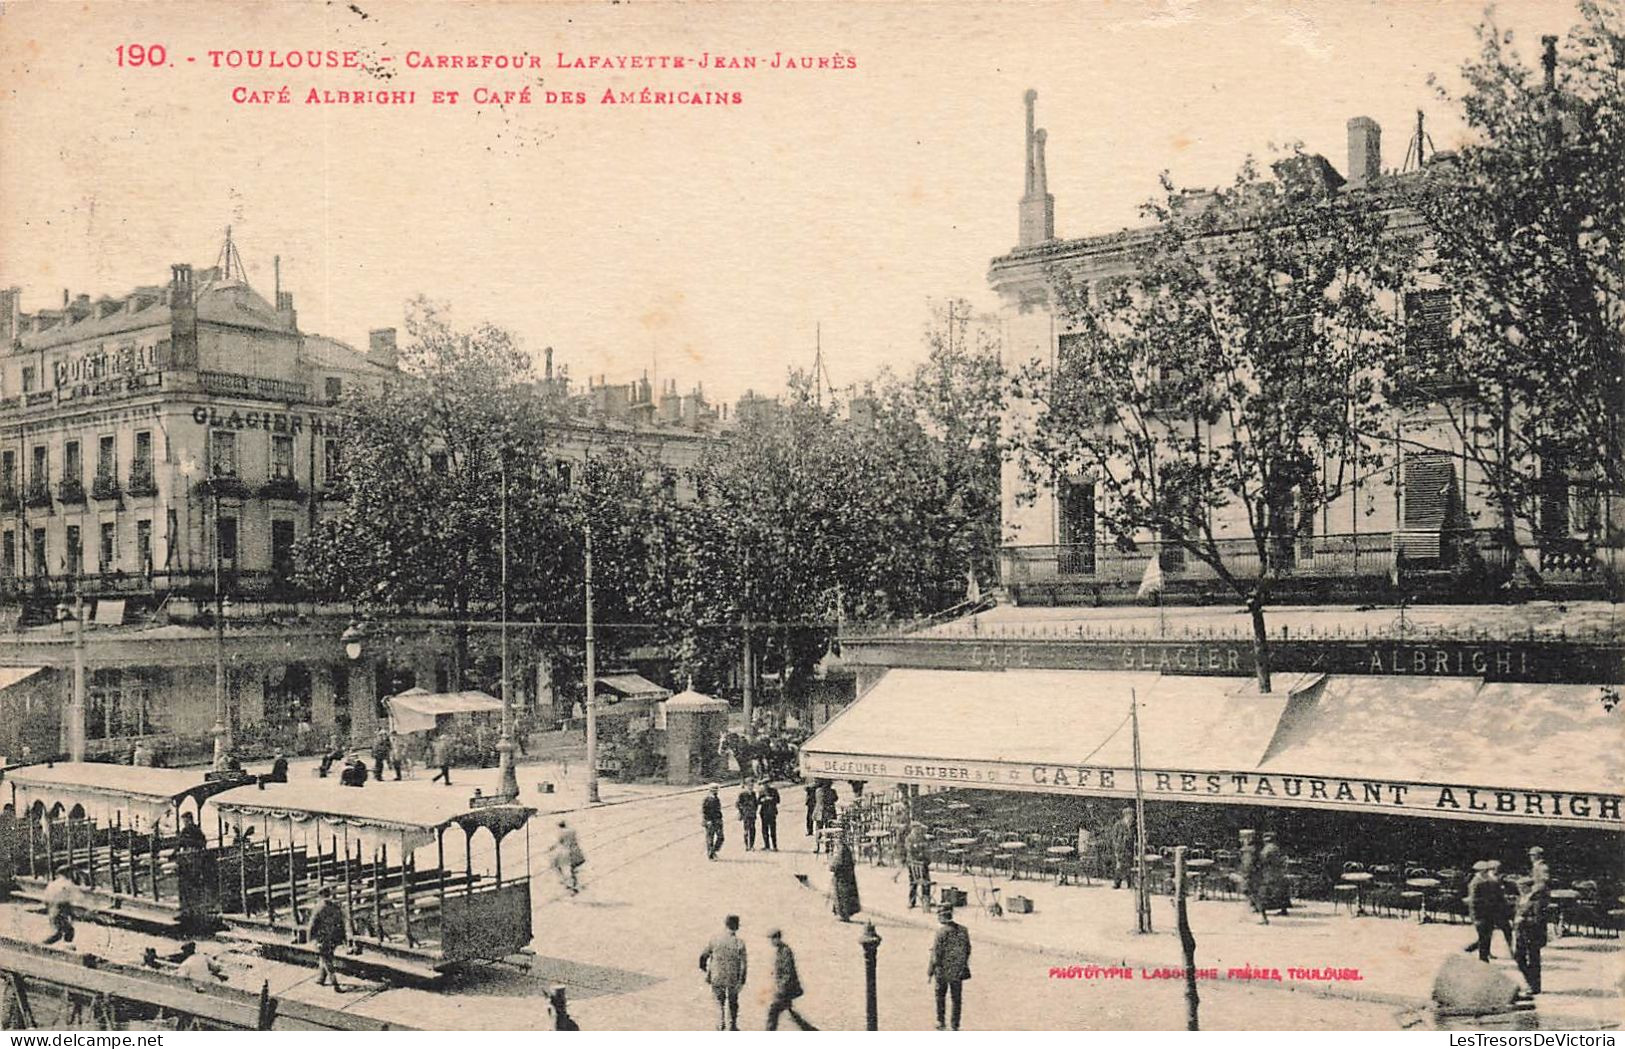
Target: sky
[702, 244]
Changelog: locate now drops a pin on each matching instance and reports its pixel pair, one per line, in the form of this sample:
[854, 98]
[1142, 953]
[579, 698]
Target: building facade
[1409, 526]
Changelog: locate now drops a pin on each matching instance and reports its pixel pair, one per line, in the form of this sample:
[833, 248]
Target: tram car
[420, 883]
[116, 830]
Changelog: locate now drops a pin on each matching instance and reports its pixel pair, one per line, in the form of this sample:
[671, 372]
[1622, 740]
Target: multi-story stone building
[161, 455]
[1408, 527]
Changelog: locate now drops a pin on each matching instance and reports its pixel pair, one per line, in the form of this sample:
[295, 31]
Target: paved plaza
[627, 947]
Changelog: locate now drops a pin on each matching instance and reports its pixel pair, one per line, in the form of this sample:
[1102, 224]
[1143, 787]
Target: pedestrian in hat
[745, 805]
[767, 810]
[711, 819]
[812, 809]
[1539, 872]
[566, 858]
[1529, 923]
[725, 963]
[1486, 905]
[1275, 892]
[950, 966]
[328, 932]
[786, 984]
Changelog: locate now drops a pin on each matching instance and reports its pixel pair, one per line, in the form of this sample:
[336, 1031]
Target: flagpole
[1142, 895]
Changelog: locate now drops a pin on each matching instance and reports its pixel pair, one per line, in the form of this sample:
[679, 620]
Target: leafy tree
[1202, 391]
[1526, 226]
[430, 457]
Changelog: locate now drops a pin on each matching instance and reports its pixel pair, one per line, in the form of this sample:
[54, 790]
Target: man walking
[711, 817]
[567, 858]
[327, 932]
[950, 965]
[745, 804]
[767, 810]
[442, 759]
[724, 963]
[60, 897]
[812, 809]
[786, 985]
[380, 754]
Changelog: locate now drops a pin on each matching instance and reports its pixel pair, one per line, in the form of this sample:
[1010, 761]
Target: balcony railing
[11, 500]
[222, 485]
[38, 495]
[1367, 555]
[253, 386]
[105, 486]
[142, 481]
[1331, 556]
[282, 488]
[197, 584]
[70, 491]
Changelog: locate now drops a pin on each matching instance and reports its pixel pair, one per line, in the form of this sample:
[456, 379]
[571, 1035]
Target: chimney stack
[1365, 151]
[182, 317]
[1037, 205]
[10, 317]
[381, 349]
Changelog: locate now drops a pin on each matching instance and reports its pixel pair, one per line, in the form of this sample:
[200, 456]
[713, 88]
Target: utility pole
[1142, 891]
[749, 671]
[591, 682]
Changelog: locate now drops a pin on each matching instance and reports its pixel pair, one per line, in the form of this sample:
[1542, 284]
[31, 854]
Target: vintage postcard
[707, 516]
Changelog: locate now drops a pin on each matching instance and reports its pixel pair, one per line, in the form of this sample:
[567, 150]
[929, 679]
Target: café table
[1198, 869]
[1561, 898]
[1358, 879]
[1426, 885]
[1013, 849]
[874, 844]
[961, 849]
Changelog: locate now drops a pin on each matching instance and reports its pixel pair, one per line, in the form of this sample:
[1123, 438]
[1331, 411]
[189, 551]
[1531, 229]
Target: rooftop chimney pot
[1365, 151]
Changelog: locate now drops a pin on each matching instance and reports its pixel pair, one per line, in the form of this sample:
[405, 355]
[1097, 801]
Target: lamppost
[508, 781]
[222, 724]
[76, 702]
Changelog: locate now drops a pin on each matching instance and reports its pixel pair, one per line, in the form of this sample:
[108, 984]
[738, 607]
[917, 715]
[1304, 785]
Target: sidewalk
[566, 776]
[1396, 959]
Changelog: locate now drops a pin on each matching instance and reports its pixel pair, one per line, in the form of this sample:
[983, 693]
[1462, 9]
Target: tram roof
[417, 810]
[104, 789]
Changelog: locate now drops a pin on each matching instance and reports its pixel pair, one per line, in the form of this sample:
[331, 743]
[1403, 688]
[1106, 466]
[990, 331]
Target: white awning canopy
[416, 710]
[1441, 747]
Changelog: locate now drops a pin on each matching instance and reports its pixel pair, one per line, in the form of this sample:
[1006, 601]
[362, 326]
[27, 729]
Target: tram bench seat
[374, 961]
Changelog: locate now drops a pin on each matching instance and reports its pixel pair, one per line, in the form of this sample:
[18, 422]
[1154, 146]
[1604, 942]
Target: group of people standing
[759, 803]
[725, 962]
[1522, 923]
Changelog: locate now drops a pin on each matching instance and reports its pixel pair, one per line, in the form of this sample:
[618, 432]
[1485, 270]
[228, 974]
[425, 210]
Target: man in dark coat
[828, 811]
[1486, 904]
[812, 808]
[767, 810]
[327, 931]
[745, 804]
[1120, 847]
[190, 837]
[440, 754]
[950, 965]
[1529, 923]
[786, 985]
[380, 753]
[711, 818]
[1274, 891]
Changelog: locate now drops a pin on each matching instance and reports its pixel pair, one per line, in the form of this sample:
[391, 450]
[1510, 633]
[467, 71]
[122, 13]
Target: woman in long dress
[844, 873]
